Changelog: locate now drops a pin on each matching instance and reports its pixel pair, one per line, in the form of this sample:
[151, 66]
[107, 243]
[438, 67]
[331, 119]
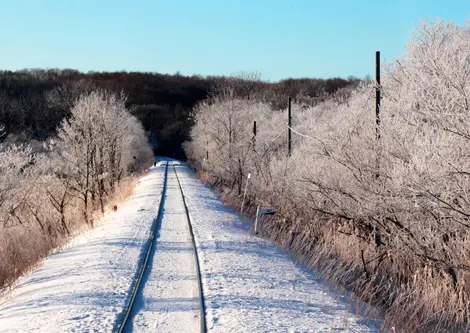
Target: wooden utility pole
[377, 94]
[289, 125]
[254, 134]
[377, 106]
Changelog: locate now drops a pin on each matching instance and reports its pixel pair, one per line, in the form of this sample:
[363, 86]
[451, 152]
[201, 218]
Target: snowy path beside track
[250, 285]
[84, 287]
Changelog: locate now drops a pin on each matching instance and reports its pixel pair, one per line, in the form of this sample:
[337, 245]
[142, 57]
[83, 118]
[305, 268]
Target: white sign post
[244, 193]
[262, 211]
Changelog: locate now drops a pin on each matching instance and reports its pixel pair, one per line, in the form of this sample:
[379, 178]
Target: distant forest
[33, 102]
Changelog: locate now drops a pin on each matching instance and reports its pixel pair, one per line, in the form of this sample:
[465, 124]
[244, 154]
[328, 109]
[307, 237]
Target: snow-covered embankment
[84, 287]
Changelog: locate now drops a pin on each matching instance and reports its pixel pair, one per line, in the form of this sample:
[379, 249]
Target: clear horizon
[279, 39]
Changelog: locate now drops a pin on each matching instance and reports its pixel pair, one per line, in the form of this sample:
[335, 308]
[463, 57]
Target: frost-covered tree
[49, 189]
[15, 169]
[99, 144]
[387, 217]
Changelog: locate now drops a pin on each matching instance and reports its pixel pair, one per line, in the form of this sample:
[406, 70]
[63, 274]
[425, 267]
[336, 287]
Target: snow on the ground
[168, 300]
[250, 285]
[84, 287]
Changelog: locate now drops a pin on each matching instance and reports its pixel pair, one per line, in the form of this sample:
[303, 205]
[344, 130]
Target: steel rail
[202, 308]
[143, 266]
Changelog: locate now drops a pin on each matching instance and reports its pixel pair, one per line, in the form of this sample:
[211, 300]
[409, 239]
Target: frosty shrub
[387, 218]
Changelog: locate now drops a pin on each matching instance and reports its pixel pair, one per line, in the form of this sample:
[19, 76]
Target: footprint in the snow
[80, 317]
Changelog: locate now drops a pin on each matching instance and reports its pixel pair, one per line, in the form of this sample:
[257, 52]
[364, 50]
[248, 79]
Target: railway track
[153, 246]
[202, 308]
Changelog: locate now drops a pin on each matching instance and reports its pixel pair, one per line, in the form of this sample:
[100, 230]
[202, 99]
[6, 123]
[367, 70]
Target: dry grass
[23, 247]
[20, 251]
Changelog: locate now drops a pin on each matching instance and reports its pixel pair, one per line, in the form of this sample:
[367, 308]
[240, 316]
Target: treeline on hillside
[49, 193]
[388, 217]
[33, 102]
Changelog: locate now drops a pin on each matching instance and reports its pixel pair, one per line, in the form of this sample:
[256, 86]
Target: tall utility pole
[289, 124]
[377, 95]
[254, 134]
[377, 106]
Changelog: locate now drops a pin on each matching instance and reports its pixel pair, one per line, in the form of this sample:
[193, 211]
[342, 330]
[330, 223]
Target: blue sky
[278, 38]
